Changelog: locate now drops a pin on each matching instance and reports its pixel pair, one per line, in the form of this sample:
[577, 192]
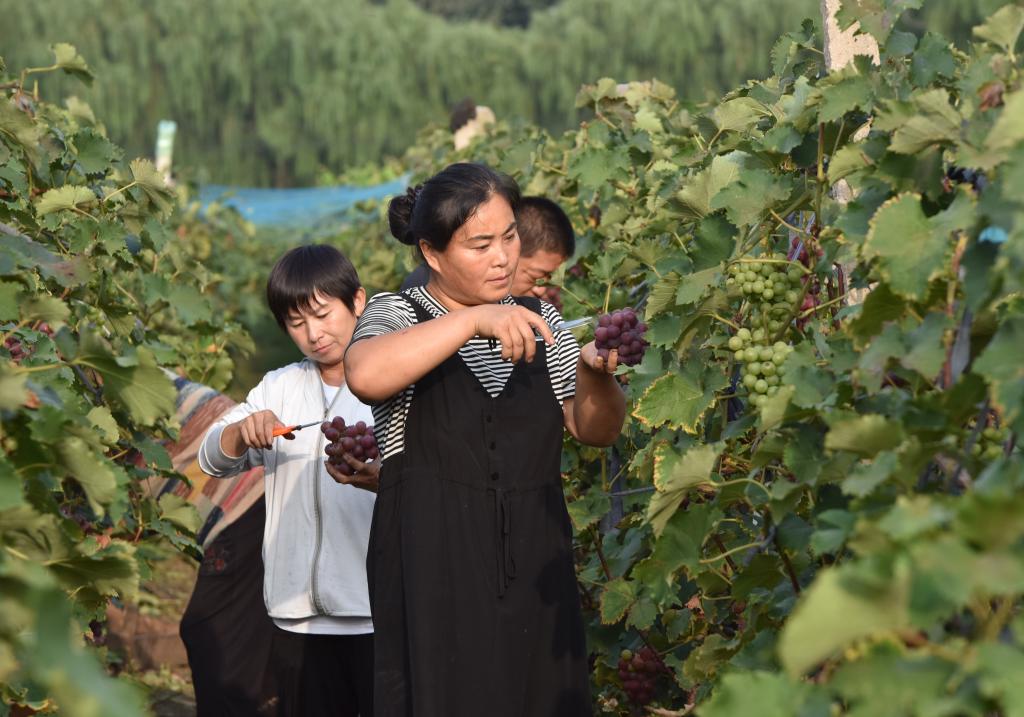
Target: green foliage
[99, 298]
[863, 526]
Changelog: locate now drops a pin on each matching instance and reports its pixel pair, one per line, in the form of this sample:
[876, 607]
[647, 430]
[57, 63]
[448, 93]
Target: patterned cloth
[220, 501]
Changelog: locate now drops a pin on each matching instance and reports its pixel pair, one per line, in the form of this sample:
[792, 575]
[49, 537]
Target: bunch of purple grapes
[639, 673]
[356, 440]
[622, 330]
[14, 346]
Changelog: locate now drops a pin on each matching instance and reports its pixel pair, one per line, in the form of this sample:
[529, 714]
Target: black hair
[544, 226]
[434, 210]
[462, 113]
[305, 271]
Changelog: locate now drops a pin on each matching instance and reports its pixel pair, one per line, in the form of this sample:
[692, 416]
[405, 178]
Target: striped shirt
[388, 312]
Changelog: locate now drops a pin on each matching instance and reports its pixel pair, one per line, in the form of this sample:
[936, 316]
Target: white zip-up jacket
[316, 534]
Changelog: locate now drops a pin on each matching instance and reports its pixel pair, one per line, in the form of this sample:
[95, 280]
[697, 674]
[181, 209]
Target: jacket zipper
[317, 512]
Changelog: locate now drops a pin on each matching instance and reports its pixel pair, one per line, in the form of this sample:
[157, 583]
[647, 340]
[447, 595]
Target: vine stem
[727, 553]
[790, 571]
[721, 546]
[789, 226]
[817, 308]
[998, 619]
[725, 321]
[736, 481]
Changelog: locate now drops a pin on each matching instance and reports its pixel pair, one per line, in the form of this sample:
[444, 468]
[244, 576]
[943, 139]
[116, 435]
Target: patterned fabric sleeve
[385, 313]
[563, 356]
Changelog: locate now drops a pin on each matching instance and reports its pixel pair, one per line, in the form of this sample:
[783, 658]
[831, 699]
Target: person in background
[315, 538]
[475, 602]
[546, 240]
[225, 628]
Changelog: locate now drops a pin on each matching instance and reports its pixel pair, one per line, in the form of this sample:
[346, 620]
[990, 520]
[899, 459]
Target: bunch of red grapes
[639, 673]
[356, 440]
[15, 348]
[622, 330]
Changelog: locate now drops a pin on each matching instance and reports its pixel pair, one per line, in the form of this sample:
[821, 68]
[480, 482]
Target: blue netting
[295, 207]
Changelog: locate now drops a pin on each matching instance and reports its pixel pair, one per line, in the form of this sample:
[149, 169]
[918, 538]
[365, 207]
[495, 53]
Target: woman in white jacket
[316, 533]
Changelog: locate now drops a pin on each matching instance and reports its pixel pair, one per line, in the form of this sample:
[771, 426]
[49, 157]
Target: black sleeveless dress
[474, 598]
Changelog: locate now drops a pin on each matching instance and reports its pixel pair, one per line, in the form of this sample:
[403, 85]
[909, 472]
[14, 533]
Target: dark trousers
[225, 628]
[323, 675]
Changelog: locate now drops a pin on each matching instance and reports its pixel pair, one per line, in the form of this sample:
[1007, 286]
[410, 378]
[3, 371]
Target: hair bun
[400, 211]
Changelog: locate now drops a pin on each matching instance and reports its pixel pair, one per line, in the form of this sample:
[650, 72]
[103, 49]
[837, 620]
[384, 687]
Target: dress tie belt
[503, 538]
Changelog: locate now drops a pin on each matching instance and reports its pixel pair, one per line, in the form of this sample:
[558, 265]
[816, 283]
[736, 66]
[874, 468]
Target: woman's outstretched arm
[378, 367]
[594, 416]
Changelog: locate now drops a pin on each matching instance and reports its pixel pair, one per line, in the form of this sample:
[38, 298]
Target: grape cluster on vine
[770, 287]
[357, 440]
[763, 365]
[621, 330]
[639, 673]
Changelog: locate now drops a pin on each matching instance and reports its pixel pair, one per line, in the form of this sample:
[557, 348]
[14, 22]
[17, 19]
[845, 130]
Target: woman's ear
[430, 255]
[359, 301]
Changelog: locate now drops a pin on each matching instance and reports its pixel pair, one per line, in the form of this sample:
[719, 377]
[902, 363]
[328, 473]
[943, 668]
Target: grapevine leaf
[103, 419]
[693, 287]
[20, 127]
[93, 473]
[679, 544]
[66, 198]
[663, 294]
[616, 598]
[876, 17]
[739, 114]
[849, 159]
[114, 571]
[589, 509]
[926, 351]
[143, 388]
[756, 693]
[9, 293]
[999, 669]
[701, 189]
[836, 610]
[153, 185]
[713, 242]
[885, 682]
[1003, 28]
[1009, 128]
[45, 308]
[11, 495]
[94, 152]
[177, 510]
[1000, 363]
[753, 192]
[595, 167]
[675, 475]
[13, 392]
[843, 92]
[909, 251]
[647, 120]
[880, 306]
[912, 516]
[934, 121]
[870, 474]
[66, 58]
[932, 59]
[866, 435]
[73, 675]
[679, 399]
[773, 410]
[30, 254]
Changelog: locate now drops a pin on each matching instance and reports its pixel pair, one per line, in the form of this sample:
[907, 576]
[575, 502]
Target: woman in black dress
[472, 588]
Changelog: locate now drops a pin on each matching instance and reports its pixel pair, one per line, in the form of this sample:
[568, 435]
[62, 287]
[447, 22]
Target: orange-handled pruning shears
[288, 429]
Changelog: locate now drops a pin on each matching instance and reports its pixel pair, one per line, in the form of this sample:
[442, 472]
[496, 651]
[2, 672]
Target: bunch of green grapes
[990, 443]
[770, 286]
[763, 364]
